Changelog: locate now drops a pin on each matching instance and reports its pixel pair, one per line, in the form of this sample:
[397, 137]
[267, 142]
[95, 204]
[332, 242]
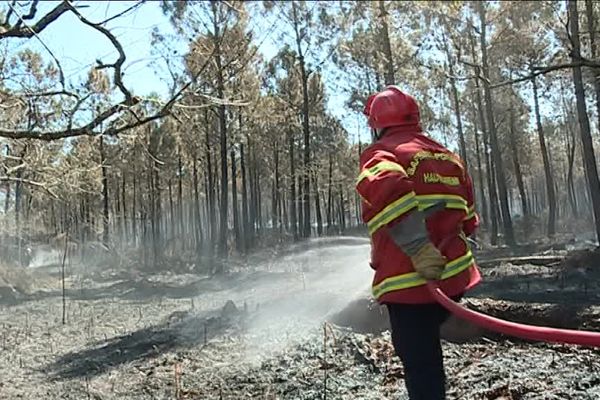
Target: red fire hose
[529, 332]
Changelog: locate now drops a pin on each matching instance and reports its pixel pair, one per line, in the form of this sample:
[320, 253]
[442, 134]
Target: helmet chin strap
[376, 134]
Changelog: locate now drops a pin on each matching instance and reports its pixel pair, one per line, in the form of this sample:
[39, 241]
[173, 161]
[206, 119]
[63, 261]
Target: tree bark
[586, 138]
[234, 202]
[180, 218]
[305, 232]
[330, 195]
[386, 45]
[496, 152]
[253, 199]
[342, 209]
[591, 23]
[318, 207]
[172, 225]
[480, 176]
[134, 228]
[293, 213]
[517, 164]
[123, 208]
[7, 198]
[546, 161]
[456, 101]
[570, 149]
[493, 199]
[246, 228]
[223, 212]
[210, 187]
[105, 213]
[199, 236]
[275, 217]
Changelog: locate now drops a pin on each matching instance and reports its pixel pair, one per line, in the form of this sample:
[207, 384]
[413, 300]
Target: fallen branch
[533, 260]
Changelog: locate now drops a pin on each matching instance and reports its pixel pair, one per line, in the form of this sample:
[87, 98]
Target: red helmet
[391, 107]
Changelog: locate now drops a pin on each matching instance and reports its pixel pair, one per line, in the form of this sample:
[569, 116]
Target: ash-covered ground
[263, 333]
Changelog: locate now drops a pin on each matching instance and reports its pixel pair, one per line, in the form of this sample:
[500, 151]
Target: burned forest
[183, 212]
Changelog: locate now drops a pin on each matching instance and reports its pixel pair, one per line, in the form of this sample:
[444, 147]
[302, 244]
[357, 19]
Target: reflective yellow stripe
[410, 201]
[380, 167]
[470, 213]
[393, 211]
[452, 201]
[413, 279]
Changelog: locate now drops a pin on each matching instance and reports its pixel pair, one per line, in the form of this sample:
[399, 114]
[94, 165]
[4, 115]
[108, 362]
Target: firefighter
[417, 202]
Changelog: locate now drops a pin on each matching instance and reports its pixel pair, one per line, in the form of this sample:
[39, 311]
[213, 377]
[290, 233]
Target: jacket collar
[403, 130]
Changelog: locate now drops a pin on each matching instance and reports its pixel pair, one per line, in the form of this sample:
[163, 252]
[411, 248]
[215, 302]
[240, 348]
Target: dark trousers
[416, 339]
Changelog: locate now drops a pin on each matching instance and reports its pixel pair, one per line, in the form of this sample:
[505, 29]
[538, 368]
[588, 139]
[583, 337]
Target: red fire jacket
[403, 171]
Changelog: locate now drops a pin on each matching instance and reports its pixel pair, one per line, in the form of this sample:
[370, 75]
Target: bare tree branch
[122, 13]
[32, 11]
[30, 15]
[544, 70]
[9, 13]
[30, 31]
[89, 129]
[51, 93]
[118, 75]
[29, 182]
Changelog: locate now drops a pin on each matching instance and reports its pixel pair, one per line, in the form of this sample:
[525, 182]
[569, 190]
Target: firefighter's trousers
[416, 339]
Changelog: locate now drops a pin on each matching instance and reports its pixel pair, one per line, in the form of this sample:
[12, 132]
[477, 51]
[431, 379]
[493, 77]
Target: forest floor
[262, 332]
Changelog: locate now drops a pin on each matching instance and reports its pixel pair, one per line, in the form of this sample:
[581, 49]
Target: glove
[429, 262]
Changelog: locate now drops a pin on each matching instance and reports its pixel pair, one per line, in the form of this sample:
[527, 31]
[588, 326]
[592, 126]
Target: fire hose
[523, 331]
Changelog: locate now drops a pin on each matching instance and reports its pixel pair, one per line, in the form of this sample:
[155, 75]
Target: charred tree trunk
[570, 149]
[305, 232]
[246, 228]
[172, 225]
[546, 160]
[496, 152]
[199, 236]
[293, 213]
[342, 209]
[493, 199]
[456, 101]
[158, 215]
[223, 212]
[123, 208]
[516, 164]
[105, 213]
[591, 24]
[252, 192]
[586, 138]
[480, 175]
[134, 214]
[275, 218]
[386, 45]
[234, 202]
[180, 218]
[318, 207]
[330, 195]
[210, 187]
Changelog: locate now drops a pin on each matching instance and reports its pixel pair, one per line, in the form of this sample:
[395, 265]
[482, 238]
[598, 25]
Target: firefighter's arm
[385, 186]
[471, 221]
